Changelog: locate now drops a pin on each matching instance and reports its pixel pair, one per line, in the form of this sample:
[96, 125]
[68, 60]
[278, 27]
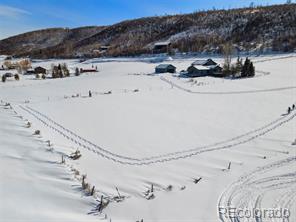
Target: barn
[164, 68]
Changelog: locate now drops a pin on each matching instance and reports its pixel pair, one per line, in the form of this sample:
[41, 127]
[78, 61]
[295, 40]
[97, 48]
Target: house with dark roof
[164, 68]
[198, 71]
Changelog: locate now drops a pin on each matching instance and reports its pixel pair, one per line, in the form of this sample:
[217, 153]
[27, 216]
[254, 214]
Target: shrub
[76, 155]
[3, 78]
[37, 132]
[17, 77]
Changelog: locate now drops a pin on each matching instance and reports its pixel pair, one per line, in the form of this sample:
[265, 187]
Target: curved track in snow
[251, 189]
[105, 153]
[226, 92]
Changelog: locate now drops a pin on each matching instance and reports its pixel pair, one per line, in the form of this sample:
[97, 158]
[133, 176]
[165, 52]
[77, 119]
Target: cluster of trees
[60, 71]
[240, 69]
[248, 69]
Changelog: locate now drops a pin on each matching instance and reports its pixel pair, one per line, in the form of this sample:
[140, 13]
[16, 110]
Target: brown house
[162, 47]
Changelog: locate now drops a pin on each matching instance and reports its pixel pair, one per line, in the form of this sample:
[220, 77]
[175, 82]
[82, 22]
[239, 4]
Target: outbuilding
[164, 68]
[40, 70]
[162, 47]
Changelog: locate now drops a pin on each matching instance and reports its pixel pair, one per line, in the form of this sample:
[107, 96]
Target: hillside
[260, 29]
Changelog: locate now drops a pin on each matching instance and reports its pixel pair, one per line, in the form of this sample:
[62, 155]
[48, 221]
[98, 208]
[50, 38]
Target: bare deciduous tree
[227, 52]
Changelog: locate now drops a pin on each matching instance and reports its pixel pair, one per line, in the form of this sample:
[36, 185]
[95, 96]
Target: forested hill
[269, 28]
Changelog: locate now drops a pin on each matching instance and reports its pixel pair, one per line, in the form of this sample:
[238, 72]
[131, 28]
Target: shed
[40, 70]
[160, 47]
[163, 68]
[204, 62]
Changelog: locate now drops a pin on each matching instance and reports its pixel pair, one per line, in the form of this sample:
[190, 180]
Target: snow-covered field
[176, 135]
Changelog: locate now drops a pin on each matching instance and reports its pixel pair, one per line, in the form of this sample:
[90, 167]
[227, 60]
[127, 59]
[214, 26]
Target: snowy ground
[157, 130]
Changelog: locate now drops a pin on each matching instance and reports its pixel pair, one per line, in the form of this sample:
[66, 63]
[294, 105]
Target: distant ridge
[269, 28]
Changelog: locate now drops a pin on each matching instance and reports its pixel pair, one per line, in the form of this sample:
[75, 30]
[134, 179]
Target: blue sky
[18, 16]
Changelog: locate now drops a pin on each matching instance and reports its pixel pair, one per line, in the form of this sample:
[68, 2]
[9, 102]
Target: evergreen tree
[77, 73]
[244, 71]
[251, 70]
[248, 69]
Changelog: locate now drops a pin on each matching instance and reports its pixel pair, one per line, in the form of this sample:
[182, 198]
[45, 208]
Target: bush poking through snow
[37, 132]
[103, 204]
[92, 192]
[63, 160]
[17, 77]
[118, 198]
[149, 194]
[48, 143]
[28, 125]
[108, 93]
[84, 184]
[169, 188]
[229, 166]
[76, 155]
[3, 78]
[76, 172]
[197, 180]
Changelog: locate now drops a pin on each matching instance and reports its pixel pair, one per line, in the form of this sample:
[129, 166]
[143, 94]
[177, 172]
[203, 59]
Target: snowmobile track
[84, 143]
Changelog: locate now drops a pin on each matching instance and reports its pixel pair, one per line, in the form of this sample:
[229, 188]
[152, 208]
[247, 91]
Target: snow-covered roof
[162, 43]
[164, 66]
[200, 67]
[213, 66]
[201, 62]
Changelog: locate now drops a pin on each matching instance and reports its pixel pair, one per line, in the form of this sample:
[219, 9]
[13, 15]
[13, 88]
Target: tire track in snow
[82, 142]
[250, 189]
